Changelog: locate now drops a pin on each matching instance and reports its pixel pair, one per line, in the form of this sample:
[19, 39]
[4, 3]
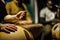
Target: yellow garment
[13, 9]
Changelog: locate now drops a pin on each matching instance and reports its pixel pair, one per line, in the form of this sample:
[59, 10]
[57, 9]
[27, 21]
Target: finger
[12, 25]
[10, 29]
[25, 12]
[14, 28]
[22, 15]
[6, 30]
[18, 15]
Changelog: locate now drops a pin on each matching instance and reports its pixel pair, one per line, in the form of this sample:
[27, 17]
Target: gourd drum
[56, 31]
[20, 34]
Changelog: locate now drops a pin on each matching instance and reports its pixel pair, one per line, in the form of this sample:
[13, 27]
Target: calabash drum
[20, 34]
[56, 31]
[35, 29]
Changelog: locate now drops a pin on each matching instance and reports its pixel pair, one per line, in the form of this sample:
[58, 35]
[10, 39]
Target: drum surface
[56, 31]
[17, 35]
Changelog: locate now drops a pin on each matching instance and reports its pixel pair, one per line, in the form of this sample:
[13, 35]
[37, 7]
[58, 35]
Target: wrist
[0, 26]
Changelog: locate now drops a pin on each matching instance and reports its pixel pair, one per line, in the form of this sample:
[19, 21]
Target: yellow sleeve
[28, 17]
[8, 8]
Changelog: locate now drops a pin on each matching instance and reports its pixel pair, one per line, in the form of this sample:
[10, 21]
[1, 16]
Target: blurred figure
[18, 8]
[47, 16]
[6, 27]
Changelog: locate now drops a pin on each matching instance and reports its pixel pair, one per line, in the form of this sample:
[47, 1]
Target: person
[18, 7]
[47, 16]
[5, 27]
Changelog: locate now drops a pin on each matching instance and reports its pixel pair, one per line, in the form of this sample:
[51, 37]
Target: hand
[11, 18]
[8, 28]
[20, 14]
